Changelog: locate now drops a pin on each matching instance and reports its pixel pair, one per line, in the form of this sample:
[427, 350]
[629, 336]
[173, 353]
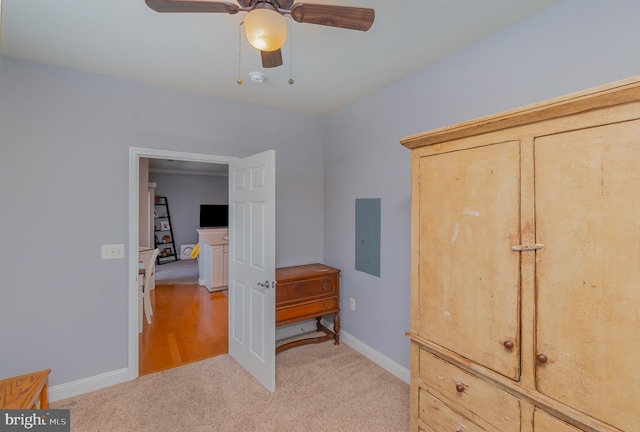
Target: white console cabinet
[213, 261]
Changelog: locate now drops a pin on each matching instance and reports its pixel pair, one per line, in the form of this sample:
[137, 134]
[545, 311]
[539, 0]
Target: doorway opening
[135, 154]
[190, 314]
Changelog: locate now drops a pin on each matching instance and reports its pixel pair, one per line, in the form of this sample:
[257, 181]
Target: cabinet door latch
[528, 247]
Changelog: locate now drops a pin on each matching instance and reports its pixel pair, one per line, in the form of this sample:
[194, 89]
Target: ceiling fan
[265, 25]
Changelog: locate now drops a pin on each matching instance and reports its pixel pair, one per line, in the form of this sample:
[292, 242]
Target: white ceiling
[332, 67]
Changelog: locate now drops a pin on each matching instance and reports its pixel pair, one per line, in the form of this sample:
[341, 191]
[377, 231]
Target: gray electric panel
[368, 235]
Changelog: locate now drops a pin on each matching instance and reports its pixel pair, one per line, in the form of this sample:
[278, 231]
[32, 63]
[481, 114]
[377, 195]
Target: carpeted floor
[183, 272]
[318, 388]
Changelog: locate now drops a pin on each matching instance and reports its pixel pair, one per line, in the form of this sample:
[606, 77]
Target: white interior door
[252, 265]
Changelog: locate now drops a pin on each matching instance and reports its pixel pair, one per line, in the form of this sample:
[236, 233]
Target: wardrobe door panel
[587, 195]
[469, 284]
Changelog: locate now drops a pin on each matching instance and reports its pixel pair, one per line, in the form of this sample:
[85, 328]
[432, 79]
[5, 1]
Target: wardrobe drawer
[307, 310]
[469, 394]
[306, 289]
[439, 417]
[544, 422]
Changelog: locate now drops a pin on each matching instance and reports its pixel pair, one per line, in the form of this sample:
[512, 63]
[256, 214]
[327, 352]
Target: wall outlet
[352, 303]
[112, 251]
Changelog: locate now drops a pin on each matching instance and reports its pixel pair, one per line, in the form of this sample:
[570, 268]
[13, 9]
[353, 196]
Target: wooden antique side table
[27, 391]
[304, 292]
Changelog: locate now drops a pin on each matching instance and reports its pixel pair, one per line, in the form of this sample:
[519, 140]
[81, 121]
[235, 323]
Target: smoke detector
[257, 77]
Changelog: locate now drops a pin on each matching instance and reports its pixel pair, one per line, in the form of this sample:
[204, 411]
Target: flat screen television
[214, 215]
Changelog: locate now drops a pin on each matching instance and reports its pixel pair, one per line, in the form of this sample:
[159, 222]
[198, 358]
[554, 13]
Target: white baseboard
[378, 358]
[97, 382]
[86, 385]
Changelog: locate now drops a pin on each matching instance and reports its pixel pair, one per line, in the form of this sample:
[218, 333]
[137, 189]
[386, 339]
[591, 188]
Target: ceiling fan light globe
[265, 29]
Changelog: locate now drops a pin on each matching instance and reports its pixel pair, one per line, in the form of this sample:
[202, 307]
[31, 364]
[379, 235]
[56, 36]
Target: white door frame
[135, 153]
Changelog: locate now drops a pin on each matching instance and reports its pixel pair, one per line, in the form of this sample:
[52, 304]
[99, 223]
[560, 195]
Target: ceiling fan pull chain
[290, 81]
[239, 80]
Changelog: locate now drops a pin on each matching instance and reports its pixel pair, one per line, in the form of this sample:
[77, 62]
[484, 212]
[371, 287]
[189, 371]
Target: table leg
[336, 328]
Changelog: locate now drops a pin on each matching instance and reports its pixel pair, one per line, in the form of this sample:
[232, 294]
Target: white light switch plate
[113, 251]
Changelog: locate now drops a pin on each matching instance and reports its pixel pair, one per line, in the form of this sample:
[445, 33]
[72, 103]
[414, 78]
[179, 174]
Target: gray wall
[575, 45]
[185, 193]
[64, 181]
[64, 156]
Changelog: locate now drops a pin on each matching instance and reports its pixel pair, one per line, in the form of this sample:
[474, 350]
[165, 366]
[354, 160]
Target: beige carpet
[318, 388]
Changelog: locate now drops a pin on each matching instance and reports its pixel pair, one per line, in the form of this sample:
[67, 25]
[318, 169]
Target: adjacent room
[100, 102]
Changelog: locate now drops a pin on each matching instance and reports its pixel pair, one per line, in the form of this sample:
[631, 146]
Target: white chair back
[151, 268]
[145, 287]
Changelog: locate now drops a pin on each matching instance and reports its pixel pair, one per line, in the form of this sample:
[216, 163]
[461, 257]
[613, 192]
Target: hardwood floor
[188, 324]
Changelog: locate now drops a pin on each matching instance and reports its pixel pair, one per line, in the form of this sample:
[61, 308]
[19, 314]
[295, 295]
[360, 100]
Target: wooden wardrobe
[525, 273]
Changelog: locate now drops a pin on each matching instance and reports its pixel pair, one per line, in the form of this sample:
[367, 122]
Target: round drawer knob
[542, 358]
[459, 388]
[324, 286]
[508, 344]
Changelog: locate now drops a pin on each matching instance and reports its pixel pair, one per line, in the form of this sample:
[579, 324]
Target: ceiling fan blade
[353, 18]
[192, 6]
[244, 3]
[271, 59]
